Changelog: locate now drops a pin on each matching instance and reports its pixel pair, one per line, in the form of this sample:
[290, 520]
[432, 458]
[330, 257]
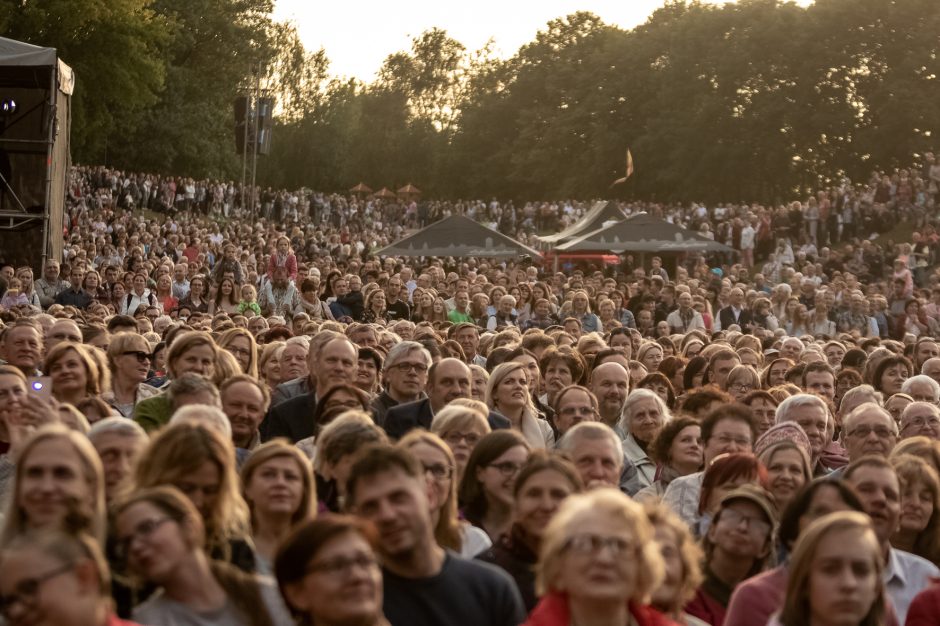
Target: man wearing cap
[738, 542]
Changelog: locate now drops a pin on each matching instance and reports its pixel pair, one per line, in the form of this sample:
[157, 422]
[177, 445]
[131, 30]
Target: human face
[813, 420]
[512, 392]
[243, 404]
[469, 340]
[599, 462]
[843, 581]
[791, 349]
[532, 368]
[398, 507]
[202, 487]
[575, 407]
[276, 487]
[367, 375]
[720, 371]
[294, 362]
[646, 420]
[892, 378]
[778, 374]
[272, 372]
[461, 444]
[12, 395]
[872, 432]
[765, 412]
[62, 330]
[478, 385]
[437, 470]
[68, 374]
[826, 499]
[497, 478]
[922, 419]
[880, 493]
[622, 343]
[917, 506]
[240, 348]
[610, 383]
[557, 377]
[834, 355]
[652, 358]
[23, 348]
[336, 364]
[600, 563]
[52, 478]
[42, 590]
[364, 337]
[451, 381]
[685, 453]
[926, 350]
[538, 501]
[199, 359]
[895, 406]
[785, 475]
[822, 384]
[118, 453]
[742, 530]
[665, 595]
[154, 543]
[921, 392]
[409, 376]
[343, 584]
[728, 436]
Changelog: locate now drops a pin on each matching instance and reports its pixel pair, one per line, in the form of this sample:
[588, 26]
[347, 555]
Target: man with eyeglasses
[405, 375]
[868, 430]
[424, 585]
[573, 404]
[726, 429]
[920, 419]
[448, 379]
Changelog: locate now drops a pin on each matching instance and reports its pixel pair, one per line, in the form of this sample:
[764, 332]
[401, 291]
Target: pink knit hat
[784, 431]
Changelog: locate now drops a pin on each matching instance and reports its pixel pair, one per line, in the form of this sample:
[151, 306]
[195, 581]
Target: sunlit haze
[359, 35]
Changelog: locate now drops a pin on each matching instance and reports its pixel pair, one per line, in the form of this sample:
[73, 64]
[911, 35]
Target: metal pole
[50, 155]
[245, 149]
[254, 148]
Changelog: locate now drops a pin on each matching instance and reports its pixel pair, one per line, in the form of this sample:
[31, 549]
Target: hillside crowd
[212, 414]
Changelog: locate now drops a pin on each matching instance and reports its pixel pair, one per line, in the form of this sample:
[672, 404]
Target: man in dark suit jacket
[292, 419]
[448, 380]
[735, 313]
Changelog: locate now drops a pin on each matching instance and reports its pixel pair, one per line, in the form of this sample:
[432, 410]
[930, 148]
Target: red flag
[629, 170]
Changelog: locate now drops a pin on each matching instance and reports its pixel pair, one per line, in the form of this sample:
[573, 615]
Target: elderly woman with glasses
[920, 418]
[644, 415]
[129, 362]
[598, 563]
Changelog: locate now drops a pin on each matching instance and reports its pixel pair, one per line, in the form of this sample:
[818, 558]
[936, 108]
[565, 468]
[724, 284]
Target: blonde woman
[277, 484]
[461, 428]
[269, 364]
[508, 393]
[241, 344]
[450, 531]
[200, 462]
[599, 563]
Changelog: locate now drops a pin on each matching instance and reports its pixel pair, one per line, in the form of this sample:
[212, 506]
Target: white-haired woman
[644, 415]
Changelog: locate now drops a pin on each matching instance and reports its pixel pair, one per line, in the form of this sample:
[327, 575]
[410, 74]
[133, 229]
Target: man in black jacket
[448, 380]
[735, 313]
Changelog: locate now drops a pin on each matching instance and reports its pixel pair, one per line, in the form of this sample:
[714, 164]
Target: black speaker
[241, 121]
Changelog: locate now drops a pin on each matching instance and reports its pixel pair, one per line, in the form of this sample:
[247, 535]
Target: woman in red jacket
[598, 564]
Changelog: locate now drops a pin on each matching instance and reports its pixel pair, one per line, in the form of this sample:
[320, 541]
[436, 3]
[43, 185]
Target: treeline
[756, 100]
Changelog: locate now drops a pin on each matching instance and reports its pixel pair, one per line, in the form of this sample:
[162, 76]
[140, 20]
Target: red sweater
[552, 610]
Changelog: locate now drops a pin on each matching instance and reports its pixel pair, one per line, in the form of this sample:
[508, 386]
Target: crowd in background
[209, 416]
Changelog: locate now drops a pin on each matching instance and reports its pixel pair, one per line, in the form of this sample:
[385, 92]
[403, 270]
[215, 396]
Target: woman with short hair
[598, 563]
[129, 362]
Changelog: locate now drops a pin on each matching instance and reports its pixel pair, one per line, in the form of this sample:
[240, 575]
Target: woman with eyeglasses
[242, 345]
[598, 563]
[741, 380]
[329, 574]
[129, 362]
[162, 537]
[543, 483]
[449, 531]
[56, 577]
[461, 428]
[486, 490]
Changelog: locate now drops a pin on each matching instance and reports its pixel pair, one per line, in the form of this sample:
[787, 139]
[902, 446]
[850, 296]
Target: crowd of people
[214, 417]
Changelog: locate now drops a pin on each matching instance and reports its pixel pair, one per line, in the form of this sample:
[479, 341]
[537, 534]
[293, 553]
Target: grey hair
[921, 378]
[302, 340]
[642, 394]
[191, 383]
[402, 349]
[933, 409]
[209, 416]
[862, 408]
[116, 425]
[591, 431]
[862, 391]
[797, 401]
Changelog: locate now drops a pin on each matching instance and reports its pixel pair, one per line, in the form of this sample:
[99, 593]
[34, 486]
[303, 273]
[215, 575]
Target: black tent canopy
[643, 233]
[457, 236]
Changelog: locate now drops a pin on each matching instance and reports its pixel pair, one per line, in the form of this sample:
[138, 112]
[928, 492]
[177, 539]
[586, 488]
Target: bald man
[610, 383]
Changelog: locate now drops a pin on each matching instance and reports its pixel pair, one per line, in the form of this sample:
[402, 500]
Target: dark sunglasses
[141, 356]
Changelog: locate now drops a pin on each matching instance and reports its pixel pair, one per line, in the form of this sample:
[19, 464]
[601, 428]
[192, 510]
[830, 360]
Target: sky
[359, 34]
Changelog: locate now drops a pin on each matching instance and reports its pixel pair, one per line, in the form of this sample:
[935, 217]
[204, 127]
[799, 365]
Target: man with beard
[448, 379]
[280, 296]
[610, 383]
[424, 584]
